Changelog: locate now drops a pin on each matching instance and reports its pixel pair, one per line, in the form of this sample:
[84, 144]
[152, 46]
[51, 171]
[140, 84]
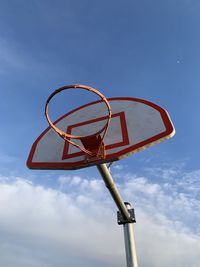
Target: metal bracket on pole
[122, 220]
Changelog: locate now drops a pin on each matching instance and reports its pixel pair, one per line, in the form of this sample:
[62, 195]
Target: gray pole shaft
[131, 256]
[105, 173]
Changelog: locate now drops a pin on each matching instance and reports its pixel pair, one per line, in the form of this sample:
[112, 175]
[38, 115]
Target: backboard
[135, 125]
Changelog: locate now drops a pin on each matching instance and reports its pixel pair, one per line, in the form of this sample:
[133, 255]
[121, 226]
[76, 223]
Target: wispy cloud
[15, 58]
[4, 158]
[170, 191]
[9, 56]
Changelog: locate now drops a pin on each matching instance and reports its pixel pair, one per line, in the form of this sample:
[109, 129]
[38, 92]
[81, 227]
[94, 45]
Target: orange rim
[67, 136]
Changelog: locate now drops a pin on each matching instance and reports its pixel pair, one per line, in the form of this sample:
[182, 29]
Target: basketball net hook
[93, 145]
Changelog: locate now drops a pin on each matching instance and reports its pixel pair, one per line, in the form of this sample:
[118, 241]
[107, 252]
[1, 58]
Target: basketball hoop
[93, 145]
[136, 124]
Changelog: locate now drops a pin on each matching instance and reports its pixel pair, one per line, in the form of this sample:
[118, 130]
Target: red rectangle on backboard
[122, 141]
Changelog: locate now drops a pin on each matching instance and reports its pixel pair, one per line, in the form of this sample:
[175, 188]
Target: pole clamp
[122, 220]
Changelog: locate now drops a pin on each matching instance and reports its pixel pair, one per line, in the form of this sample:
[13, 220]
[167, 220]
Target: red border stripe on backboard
[124, 131]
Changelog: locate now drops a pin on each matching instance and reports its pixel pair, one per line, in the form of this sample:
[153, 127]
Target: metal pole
[125, 211]
[105, 173]
[131, 256]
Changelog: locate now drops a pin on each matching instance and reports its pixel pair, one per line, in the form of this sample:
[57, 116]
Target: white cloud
[6, 158]
[173, 193]
[160, 244]
[118, 167]
[76, 225]
[10, 56]
[15, 58]
[52, 221]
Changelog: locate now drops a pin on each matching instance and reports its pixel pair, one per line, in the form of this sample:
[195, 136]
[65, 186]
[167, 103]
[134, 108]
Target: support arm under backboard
[105, 173]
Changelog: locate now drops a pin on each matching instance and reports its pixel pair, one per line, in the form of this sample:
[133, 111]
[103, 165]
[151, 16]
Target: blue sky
[144, 49]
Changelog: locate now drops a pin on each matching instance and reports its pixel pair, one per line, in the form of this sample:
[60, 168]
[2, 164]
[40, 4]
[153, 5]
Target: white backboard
[135, 125]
